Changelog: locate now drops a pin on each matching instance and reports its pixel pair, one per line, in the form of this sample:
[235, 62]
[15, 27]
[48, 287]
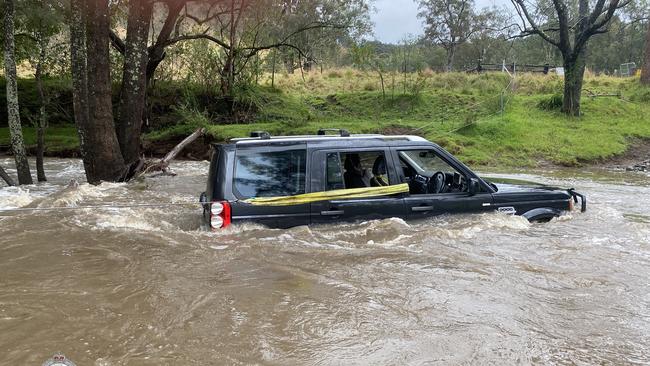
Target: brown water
[144, 286]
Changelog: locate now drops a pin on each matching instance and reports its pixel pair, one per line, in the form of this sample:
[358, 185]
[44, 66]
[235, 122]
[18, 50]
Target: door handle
[332, 213]
[421, 208]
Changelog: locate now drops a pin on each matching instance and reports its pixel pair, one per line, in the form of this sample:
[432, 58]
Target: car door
[269, 171]
[329, 173]
[420, 204]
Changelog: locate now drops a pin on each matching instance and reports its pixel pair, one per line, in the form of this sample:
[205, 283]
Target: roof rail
[342, 132]
[262, 135]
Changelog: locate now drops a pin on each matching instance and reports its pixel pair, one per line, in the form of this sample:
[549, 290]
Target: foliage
[552, 103]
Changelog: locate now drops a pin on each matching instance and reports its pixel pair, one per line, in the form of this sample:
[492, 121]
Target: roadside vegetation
[486, 119]
[136, 75]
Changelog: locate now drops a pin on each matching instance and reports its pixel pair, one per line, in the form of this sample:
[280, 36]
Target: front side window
[427, 173]
[270, 174]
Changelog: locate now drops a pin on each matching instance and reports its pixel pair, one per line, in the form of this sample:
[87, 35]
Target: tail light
[219, 214]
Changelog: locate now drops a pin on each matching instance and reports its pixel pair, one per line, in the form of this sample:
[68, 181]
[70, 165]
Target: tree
[243, 29]
[41, 21]
[134, 80]
[366, 56]
[645, 71]
[448, 23]
[15, 129]
[89, 42]
[569, 30]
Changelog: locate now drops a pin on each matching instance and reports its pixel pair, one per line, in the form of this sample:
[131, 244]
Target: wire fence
[503, 98]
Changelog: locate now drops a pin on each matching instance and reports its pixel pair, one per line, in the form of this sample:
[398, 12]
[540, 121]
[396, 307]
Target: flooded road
[144, 286]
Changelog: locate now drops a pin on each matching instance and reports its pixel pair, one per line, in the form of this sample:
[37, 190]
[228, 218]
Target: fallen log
[6, 177]
[162, 165]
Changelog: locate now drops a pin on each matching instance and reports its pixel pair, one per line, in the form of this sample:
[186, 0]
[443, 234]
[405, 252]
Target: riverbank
[486, 120]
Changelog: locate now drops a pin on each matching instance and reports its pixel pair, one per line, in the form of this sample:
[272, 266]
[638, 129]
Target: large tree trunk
[100, 149]
[134, 81]
[78, 61]
[15, 129]
[451, 53]
[42, 118]
[645, 71]
[574, 72]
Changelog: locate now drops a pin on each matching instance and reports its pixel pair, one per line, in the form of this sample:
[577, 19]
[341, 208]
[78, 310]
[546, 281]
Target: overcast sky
[395, 19]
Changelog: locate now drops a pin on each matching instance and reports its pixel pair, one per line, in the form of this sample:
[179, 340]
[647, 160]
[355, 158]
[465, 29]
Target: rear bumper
[575, 195]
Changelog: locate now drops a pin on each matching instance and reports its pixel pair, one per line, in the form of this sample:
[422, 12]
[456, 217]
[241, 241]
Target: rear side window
[270, 173]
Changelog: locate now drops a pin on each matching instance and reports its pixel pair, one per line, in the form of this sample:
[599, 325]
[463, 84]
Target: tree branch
[117, 42]
[172, 41]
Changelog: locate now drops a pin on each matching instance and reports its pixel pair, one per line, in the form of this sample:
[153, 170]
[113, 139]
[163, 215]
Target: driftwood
[6, 177]
[162, 165]
[592, 95]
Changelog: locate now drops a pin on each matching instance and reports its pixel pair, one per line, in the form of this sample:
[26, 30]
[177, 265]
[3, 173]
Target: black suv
[265, 166]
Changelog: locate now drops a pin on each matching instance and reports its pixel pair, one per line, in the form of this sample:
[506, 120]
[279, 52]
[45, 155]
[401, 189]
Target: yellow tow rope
[328, 195]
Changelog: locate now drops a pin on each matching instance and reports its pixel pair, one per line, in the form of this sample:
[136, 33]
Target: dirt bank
[637, 157]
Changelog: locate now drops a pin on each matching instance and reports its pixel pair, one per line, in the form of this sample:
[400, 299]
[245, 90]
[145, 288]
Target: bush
[369, 86]
[552, 103]
[334, 74]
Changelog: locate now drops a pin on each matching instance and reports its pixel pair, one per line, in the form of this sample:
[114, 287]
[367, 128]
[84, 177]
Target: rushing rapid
[145, 286]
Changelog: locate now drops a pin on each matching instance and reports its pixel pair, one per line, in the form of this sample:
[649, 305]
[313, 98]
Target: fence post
[501, 102]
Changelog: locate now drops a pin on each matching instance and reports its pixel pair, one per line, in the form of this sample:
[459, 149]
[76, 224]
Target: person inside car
[354, 173]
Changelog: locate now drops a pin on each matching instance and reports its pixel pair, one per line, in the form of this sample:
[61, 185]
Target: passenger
[379, 172]
[354, 174]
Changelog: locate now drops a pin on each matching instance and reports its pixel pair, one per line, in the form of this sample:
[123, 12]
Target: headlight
[216, 208]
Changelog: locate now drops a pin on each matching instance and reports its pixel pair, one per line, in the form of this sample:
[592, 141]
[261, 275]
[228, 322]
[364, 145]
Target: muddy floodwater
[144, 286]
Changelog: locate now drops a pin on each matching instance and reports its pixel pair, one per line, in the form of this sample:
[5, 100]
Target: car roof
[331, 140]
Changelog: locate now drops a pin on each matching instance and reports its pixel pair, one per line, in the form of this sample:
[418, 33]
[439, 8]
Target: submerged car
[287, 181]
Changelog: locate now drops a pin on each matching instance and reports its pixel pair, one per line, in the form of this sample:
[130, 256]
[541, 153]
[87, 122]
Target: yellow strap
[329, 195]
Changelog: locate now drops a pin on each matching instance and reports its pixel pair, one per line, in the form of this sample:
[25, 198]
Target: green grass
[526, 135]
[461, 112]
[57, 138]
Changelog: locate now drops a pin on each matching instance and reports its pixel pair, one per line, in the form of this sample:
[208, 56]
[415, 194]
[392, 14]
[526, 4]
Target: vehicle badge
[58, 359]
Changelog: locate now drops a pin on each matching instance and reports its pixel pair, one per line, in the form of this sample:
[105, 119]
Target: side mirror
[473, 186]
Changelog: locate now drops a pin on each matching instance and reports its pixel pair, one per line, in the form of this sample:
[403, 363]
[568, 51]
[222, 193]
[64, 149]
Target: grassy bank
[487, 119]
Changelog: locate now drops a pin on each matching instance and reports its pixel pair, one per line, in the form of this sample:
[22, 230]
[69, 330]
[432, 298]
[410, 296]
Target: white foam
[14, 197]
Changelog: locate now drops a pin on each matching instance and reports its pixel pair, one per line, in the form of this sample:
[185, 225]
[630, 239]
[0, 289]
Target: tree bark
[6, 177]
[574, 71]
[451, 52]
[103, 160]
[645, 71]
[134, 81]
[15, 129]
[79, 65]
[42, 118]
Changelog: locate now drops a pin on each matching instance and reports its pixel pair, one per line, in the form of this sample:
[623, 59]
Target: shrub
[334, 74]
[369, 86]
[552, 103]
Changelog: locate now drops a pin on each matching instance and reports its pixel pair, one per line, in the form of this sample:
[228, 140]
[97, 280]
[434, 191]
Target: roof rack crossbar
[262, 135]
[342, 132]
